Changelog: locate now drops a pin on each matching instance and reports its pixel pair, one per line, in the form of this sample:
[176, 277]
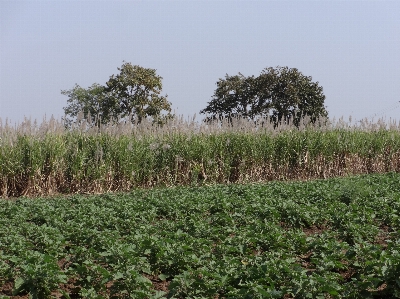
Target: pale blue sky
[352, 48]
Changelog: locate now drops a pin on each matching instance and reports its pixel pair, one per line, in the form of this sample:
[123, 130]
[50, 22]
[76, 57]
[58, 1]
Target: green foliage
[284, 94]
[275, 240]
[133, 94]
[92, 103]
[85, 162]
[38, 275]
[137, 92]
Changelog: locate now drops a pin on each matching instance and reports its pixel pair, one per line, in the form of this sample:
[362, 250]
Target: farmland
[226, 210]
[46, 159]
[333, 238]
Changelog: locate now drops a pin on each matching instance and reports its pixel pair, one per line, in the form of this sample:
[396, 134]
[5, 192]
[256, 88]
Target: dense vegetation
[47, 159]
[133, 94]
[282, 93]
[336, 238]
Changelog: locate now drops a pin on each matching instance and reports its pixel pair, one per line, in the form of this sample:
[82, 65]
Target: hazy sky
[352, 48]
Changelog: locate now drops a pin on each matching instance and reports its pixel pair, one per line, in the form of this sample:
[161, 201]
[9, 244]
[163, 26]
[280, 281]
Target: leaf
[163, 277]
[14, 259]
[159, 294]
[384, 269]
[18, 285]
[118, 275]
[64, 293]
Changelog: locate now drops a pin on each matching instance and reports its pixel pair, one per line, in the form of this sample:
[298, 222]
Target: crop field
[47, 159]
[333, 238]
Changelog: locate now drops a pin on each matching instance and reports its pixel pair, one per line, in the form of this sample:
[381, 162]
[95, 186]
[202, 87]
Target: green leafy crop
[336, 238]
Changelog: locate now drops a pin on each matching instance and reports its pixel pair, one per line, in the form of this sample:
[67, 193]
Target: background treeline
[49, 159]
[281, 94]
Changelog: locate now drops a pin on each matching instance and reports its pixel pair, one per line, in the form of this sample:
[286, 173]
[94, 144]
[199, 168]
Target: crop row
[80, 162]
[336, 238]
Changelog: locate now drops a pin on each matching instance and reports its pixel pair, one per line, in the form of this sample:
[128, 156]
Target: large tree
[280, 93]
[133, 94]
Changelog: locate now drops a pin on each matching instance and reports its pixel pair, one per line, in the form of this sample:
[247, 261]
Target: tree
[92, 102]
[281, 93]
[137, 90]
[134, 93]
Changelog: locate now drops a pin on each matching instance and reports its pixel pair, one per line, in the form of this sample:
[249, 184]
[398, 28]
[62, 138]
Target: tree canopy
[133, 94]
[283, 94]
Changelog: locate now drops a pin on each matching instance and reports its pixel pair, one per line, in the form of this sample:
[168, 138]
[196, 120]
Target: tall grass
[48, 159]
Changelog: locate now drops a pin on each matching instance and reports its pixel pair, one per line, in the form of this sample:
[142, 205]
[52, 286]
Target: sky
[352, 48]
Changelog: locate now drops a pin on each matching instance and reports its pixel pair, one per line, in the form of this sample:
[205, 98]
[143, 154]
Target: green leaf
[163, 277]
[158, 294]
[118, 275]
[18, 285]
[64, 293]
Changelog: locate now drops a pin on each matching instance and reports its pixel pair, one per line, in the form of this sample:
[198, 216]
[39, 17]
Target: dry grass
[46, 159]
